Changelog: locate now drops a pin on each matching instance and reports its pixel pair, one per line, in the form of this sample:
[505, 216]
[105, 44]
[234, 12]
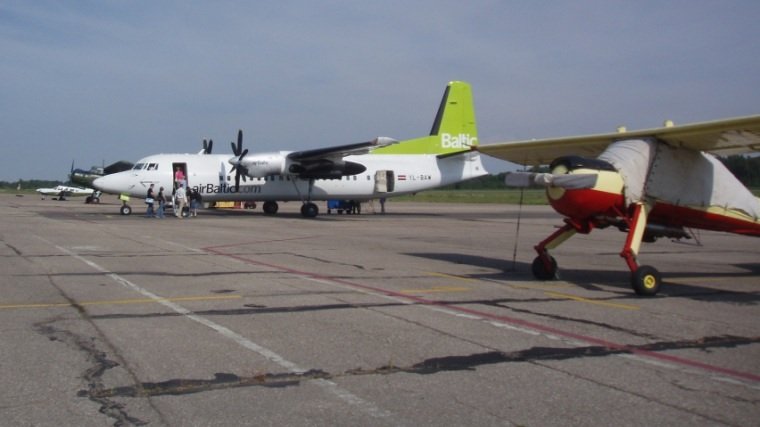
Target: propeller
[566, 181]
[237, 165]
[207, 146]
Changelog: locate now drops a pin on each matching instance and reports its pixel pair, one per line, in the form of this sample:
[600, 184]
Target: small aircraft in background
[85, 177]
[379, 168]
[61, 192]
[649, 184]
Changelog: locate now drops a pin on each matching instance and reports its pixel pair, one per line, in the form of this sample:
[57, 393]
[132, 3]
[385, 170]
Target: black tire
[646, 281]
[270, 208]
[125, 210]
[309, 210]
[539, 269]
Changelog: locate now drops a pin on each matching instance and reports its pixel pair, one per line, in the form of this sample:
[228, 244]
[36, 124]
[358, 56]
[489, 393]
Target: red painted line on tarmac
[746, 376]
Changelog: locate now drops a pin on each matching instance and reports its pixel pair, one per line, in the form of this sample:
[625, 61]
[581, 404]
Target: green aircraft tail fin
[454, 129]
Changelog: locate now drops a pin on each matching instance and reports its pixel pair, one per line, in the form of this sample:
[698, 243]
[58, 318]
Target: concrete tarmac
[425, 316]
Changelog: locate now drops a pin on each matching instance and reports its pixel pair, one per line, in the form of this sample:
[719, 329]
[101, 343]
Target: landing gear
[309, 210]
[270, 208]
[646, 281]
[544, 268]
[125, 209]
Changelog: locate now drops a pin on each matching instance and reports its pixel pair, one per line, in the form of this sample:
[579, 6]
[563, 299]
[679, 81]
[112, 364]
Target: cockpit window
[139, 166]
[153, 166]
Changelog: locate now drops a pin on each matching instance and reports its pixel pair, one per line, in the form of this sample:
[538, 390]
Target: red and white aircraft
[649, 184]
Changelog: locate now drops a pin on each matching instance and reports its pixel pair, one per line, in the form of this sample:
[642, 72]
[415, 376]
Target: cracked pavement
[403, 319]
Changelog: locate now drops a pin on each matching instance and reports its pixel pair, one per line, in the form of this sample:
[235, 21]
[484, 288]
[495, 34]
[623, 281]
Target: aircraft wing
[48, 191]
[341, 151]
[722, 137]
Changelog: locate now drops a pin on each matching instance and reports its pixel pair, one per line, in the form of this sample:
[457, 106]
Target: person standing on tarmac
[195, 201]
[161, 203]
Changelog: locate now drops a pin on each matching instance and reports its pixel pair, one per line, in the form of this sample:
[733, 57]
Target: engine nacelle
[326, 169]
[264, 164]
[605, 199]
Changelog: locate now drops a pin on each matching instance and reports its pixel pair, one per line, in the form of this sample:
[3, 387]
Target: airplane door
[179, 173]
[385, 181]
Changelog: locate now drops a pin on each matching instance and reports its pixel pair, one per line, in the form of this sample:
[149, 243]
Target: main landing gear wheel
[646, 280]
[309, 210]
[125, 210]
[540, 271]
[270, 208]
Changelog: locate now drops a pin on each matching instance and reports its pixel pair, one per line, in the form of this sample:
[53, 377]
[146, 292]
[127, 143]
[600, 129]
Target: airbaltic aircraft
[379, 168]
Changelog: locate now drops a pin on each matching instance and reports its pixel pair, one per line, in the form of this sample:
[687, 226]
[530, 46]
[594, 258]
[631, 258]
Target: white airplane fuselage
[211, 175]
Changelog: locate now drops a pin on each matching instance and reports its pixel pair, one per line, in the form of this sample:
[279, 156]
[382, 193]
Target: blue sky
[100, 81]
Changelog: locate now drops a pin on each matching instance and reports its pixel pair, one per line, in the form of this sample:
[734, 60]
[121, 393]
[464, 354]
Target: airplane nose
[106, 184]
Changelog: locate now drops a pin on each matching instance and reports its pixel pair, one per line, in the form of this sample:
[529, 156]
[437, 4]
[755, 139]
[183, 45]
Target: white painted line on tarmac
[365, 406]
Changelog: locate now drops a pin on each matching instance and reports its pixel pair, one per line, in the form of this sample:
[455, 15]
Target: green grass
[509, 196]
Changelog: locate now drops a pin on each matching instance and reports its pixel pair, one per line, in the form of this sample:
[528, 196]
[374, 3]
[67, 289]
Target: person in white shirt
[180, 199]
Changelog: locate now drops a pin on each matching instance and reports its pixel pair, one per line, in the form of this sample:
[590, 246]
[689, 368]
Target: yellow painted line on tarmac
[437, 289]
[540, 286]
[451, 276]
[122, 301]
[591, 301]
[441, 289]
[686, 281]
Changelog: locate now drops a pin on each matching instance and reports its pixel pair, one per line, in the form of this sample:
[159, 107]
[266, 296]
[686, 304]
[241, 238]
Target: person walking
[150, 213]
[180, 199]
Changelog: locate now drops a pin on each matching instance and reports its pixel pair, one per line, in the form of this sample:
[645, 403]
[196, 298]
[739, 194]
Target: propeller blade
[566, 181]
[210, 145]
[237, 166]
[575, 181]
